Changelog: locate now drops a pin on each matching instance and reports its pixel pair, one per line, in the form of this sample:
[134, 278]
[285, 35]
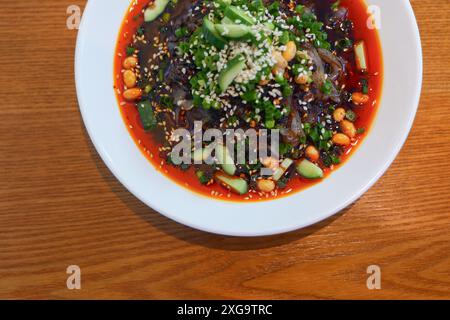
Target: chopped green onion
[364, 86]
[282, 183]
[299, 8]
[336, 5]
[148, 88]
[360, 130]
[166, 17]
[327, 87]
[130, 51]
[344, 44]
[287, 90]
[284, 37]
[147, 115]
[202, 177]
[350, 115]
[270, 124]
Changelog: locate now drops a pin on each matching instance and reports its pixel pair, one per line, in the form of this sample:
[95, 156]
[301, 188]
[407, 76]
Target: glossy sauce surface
[150, 147]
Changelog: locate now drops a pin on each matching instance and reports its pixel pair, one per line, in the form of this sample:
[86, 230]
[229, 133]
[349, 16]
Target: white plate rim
[267, 231]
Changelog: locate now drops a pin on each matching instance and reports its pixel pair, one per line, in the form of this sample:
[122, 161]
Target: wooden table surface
[60, 206]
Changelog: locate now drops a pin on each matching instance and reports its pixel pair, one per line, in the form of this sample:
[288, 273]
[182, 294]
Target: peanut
[312, 153]
[341, 139]
[280, 61]
[265, 185]
[263, 82]
[290, 51]
[129, 78]
[276, 71]
[130, 63]
[302, 79]
[348, 128]
[132, 94]
[359, 98]
[339, 114]
[270, 162]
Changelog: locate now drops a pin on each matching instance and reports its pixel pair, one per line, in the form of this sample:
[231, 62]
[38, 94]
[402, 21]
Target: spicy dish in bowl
[305, 75]
[311, 70]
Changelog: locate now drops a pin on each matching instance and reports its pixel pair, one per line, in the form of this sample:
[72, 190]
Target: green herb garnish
[350, 115]
[130, 51]
[327, 87]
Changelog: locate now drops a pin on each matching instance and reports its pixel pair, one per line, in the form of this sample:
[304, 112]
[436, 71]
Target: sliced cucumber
[147, 115]
[212, 36]
[207, 154]
[155, 10]
[281, 170]
[223, 3]
[269, 25]
[197, 156]
[235, 184]
[227, 20]
[257, 4]
[233, 31]
[239, 16]
[309, 170]
[361, 55]
[225, 160]
[203, 155]
[232, 70]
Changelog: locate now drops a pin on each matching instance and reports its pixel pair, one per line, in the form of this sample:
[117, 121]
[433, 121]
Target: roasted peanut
[276, 71]
[341, 139]
[348, 128]
[290, 51]
[265, 185]
[129, 78]
[263, 82]
[359, 98]
[339, 114]
[132, 94]
[302, 79]
[270, 162]
[312, 153]
[280, 61]
[130, 63]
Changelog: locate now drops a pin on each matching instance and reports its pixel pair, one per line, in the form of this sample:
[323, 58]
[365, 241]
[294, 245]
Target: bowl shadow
[193, 236]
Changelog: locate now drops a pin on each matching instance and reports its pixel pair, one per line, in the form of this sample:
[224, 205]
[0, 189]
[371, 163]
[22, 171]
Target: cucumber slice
[147, 115]
[309, 170]
[212, 36]
[233, 31]
[197, 156]
[223, 3]
[257, 4]
[154, 11]
[231, 71]
[239, 16]
[225, 160]
[235, 184]
[269, 25]
[227, 20]
[207, 154]
[361, 55]
[281, 170]
[203, 155]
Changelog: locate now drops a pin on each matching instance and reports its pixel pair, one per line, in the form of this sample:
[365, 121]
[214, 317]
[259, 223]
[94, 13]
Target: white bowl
[401, 91]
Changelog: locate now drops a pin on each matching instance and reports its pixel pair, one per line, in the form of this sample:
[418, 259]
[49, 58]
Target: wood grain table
[60, 206]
